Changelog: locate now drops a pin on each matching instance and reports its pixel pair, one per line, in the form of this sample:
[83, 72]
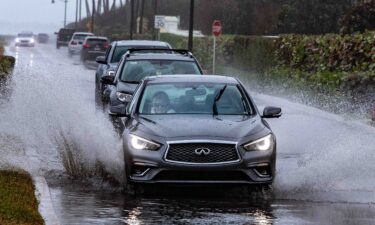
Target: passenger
[160, 103]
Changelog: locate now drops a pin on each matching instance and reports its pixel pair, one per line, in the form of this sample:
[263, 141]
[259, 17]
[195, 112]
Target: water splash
[51, 113]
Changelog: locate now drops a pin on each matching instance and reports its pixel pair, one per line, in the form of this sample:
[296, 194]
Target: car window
[119, 51]
[135, 71]
[100, 42]
[25, 35]
[80, 36]
[193, 98]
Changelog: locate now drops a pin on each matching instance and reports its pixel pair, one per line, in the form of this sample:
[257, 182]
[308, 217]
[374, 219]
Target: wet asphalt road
[324, 170]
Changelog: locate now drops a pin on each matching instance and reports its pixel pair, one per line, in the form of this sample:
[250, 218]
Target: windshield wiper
[217, 98]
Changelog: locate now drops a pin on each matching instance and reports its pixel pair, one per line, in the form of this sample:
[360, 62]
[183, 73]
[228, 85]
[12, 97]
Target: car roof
[26, 32]
[158, 56]
[83, 33]
[192, 78]
[96, 37]
[140, 43]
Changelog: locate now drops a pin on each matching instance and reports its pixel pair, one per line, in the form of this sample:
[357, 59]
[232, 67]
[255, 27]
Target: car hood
[25, 38]
[199, 126]
[126, 87]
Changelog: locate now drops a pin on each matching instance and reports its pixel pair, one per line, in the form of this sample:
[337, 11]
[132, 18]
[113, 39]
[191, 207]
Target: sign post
[159, 23]
[216, 32]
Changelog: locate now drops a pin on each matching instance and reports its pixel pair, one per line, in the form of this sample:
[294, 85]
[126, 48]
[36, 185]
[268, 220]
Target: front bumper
[144, 166]
[29, 44]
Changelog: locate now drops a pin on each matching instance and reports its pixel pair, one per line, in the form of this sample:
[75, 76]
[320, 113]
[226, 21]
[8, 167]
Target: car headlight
[143, 144]
[262, 144]
[17, 40]
[124, 97]
[32, 40]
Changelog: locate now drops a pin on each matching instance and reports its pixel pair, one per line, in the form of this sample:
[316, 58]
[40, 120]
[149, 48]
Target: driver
[160, 103]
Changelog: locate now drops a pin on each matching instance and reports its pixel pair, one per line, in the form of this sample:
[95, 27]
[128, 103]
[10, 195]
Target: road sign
[159, 22]
[216, 28]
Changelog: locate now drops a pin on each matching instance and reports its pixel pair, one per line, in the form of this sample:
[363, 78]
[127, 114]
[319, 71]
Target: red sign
[216, 28]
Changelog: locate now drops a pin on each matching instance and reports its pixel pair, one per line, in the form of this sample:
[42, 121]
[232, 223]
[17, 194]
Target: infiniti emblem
[202, 151]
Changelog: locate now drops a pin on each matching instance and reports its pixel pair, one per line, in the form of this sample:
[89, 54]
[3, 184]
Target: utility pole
[131, 19]
[191, 26]
[80, 10]
[141, 20]
[155, 13]
[76, 24]
[92, 16]
[66, 2]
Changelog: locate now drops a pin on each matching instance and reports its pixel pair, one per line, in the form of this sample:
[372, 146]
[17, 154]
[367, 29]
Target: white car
[25, 39]
[76, 42]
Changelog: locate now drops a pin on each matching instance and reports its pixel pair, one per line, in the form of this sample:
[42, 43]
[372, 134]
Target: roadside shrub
[348, 53]
[254, 53]
[6, 65]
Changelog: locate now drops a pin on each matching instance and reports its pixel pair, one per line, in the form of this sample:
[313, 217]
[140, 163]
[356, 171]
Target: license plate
[97, 48]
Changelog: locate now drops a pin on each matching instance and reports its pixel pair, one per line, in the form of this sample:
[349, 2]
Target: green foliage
[6, 65]
[327, 53]
[18, 205]
[248, 52]
[360, 18]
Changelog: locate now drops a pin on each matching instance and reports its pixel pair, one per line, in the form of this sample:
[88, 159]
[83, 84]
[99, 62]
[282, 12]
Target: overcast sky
[35, 15]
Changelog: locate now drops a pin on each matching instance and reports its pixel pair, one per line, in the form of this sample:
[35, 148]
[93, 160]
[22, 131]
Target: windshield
[80, 36]
[25, 35]
[94, 41]
[193, 98]
[121, 50]
[135, 71]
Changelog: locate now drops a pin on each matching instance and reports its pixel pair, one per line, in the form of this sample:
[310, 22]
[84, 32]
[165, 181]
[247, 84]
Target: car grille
[25, 41]
[186, 153]
[201, 176]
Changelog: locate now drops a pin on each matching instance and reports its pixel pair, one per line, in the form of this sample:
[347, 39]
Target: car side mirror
[108, 79]
[56, 33]
[120, 111]
[101, 60]
[272, 112]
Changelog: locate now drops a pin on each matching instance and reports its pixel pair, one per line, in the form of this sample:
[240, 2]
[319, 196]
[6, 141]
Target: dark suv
[137, 64]
[63, 37]
[93, 47]
[108, 63]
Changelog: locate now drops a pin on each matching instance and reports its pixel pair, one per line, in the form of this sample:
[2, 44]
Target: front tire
[128, 186]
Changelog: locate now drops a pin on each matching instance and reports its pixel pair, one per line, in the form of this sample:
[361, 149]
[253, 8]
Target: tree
[312, 16]
[360, 18]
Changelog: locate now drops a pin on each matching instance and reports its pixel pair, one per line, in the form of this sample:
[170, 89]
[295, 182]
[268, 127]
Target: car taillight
[106, 45]
[86, 46]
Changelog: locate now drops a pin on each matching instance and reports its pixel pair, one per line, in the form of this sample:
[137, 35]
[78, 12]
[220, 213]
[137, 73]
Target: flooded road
[50, 127]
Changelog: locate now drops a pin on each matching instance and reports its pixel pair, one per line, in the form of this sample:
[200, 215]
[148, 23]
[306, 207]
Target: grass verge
[18, 204]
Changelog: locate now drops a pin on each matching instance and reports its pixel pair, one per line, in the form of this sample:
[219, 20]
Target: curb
[45, 201]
